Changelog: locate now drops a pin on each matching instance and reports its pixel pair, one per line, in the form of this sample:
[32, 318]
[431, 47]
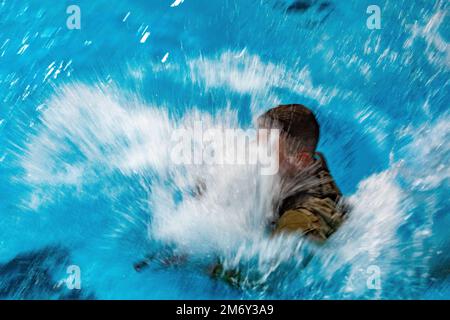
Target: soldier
[309, 202]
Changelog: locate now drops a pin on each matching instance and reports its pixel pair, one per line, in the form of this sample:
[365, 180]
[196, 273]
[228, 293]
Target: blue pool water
[85, 119]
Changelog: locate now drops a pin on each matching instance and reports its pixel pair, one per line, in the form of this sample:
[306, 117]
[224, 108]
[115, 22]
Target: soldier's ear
[304, 158]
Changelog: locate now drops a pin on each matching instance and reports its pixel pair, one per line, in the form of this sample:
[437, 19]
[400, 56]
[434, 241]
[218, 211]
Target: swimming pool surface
[85, 122]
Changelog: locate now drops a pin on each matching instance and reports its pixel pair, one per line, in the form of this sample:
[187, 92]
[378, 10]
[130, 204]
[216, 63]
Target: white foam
[245, 73]
[437, 49]
[145, 37]
[426, 156]
[176, 3]
[92, 123]
[87, 133]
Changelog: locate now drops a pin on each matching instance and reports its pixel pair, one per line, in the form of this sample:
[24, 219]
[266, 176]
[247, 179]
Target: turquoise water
[86, 116]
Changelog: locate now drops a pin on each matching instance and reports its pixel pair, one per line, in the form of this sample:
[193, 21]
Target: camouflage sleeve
[303, 221]
[317, 218]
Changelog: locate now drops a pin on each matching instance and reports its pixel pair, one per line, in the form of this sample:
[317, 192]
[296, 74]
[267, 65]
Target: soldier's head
[299, 133]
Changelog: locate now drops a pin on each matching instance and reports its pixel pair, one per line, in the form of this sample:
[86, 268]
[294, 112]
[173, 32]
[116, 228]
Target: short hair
[295, 121]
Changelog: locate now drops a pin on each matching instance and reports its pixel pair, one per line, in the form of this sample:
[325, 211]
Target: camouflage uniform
[316, 208]
[312, 205]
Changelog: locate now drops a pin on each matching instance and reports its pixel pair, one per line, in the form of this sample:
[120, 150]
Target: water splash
[91, 169]
[88, 135]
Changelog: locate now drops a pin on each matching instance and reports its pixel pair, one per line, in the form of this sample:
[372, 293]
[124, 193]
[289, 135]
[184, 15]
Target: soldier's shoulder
[325, 185]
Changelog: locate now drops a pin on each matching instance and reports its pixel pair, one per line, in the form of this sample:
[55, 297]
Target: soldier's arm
[317, 219]
[301, 221]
